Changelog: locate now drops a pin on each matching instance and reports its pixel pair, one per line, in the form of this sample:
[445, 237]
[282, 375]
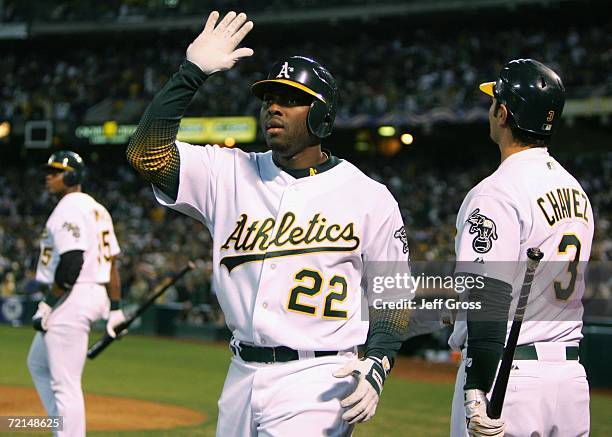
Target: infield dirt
[105, 413]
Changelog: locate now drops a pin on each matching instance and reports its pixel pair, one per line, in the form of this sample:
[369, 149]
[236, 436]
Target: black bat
[494, 410]
[105, 341]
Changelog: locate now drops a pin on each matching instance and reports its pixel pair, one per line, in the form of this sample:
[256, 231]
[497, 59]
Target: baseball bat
[105, 341]
[494, 409]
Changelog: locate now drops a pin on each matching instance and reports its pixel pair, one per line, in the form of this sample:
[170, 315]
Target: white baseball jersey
[78, 222]
[289, 254]
[529, 201]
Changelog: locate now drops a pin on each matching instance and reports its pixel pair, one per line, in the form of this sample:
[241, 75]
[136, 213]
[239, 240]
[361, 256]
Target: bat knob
[535, 253]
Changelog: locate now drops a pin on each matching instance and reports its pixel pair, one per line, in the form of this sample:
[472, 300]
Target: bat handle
[494, 409]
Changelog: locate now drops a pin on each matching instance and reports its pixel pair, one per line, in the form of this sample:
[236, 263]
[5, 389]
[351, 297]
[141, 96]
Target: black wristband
[51, 299]
[115, 305]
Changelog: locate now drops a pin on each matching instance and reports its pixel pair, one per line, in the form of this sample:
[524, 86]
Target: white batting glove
[215, 48]
[371, 373]
[115, 318]
[478, 423]
[41, 316]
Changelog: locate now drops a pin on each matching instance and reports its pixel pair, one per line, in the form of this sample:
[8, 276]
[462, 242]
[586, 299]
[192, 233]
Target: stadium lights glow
[5, 129]
[229, 142]
[407, 139]
[386, 131]
[362, 146]
[110, 128]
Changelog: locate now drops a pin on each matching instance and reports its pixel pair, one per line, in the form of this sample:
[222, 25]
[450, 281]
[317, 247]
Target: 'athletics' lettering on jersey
[259, 236]
[562, 203]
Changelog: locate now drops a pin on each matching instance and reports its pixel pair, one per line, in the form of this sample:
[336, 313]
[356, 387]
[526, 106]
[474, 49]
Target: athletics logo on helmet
[312, 78]
[71, 164]
[532, 93]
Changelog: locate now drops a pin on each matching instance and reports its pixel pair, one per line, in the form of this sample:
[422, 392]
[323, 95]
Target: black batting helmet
[532, 93]
[312, 78]
[71, 164]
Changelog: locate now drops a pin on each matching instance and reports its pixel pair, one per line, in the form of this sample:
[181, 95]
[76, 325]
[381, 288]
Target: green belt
[280, 354]
[529, 352]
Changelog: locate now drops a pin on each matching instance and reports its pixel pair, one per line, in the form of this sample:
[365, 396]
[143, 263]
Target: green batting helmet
[532, 92]
[71, 164]
[312, 78]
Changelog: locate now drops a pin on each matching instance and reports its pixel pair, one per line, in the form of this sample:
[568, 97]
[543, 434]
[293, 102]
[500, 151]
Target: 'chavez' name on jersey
[563, 203]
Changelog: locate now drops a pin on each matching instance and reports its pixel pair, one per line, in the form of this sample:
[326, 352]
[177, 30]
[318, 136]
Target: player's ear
[502, 114]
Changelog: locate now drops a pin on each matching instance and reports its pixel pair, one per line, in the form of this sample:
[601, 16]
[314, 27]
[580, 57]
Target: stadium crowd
[408, 70]
[117, 10]
[156, 241]
[381, 69]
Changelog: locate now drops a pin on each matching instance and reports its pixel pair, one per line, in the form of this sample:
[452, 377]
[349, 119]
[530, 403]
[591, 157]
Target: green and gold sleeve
[152, 150]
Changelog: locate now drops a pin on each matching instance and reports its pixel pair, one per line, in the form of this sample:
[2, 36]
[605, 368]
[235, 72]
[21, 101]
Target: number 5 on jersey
[104, 250]
[312, 284]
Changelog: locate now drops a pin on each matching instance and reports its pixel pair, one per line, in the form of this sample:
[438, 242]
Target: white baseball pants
[57, 357]
[548, 397]
[296, 398]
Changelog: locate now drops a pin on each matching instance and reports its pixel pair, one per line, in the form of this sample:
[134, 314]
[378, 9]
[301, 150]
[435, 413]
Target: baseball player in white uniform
[293, 230]
[77, 266]
[529, 201]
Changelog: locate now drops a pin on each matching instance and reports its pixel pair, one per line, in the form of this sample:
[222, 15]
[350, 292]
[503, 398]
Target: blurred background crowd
[156, 241]
[392, 60]
[382, 66]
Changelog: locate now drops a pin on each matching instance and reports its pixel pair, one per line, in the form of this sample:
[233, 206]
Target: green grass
[192, 374]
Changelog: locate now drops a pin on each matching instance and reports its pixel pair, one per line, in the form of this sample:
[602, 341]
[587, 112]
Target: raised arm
[152, 150]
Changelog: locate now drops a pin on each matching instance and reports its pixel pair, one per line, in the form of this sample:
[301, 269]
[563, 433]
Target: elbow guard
[68, 269]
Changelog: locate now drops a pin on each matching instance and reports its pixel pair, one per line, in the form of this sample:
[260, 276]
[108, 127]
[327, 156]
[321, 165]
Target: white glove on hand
[41, 316]
[115, 317]
[371, 373]
[478, 423]
[215, 48]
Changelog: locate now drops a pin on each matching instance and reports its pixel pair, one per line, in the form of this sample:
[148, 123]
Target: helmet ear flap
[320, 120]
[70, 178]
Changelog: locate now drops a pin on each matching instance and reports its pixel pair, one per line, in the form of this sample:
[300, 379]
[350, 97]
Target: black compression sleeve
[68, 269]
[486, 332]
[387, 332]
[152, 150]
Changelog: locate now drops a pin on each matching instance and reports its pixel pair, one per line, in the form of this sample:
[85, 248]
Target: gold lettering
[250, 230]
[567, 199]
[319, 236]
[263, 234]
[311, 224]
[564, 207]
[575, 194]
[259, 235]
[294, 236]
[330, 237]
[550, 220]
[586, 204]
[285, 225]
[235, 236]
[348, 234]
[555, 205]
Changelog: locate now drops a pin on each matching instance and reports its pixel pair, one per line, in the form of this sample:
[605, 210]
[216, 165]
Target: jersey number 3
[568, 241]
[338, 292]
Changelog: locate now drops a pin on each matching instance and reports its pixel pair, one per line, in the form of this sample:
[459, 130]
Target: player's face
[283, 116]
[54, 181]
